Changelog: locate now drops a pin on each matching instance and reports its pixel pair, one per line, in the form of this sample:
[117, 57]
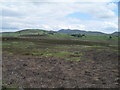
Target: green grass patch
[51, 47]
[9, 87]
[36, 54]
[65, 55]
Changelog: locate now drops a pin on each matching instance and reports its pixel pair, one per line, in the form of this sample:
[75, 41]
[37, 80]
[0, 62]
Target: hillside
[116, 33]
[62, 31]
[28, 32]
[31, 31]
[61, 34]
[69, 31]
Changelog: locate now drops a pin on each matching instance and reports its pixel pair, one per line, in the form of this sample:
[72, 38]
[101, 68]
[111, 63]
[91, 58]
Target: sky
[88, 16]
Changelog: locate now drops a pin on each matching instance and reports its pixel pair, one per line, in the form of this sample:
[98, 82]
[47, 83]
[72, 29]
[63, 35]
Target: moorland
[34, 58]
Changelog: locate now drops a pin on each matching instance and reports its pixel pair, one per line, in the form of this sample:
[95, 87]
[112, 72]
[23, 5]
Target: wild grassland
[34, 57]
[52, 47]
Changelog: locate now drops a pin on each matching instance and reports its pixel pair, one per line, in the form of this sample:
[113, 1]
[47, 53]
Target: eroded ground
[64, 66]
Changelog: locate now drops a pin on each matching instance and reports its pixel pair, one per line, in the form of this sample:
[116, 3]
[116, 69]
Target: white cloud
[59, 0]
[110, 26]
[112, 6]
[53, 16]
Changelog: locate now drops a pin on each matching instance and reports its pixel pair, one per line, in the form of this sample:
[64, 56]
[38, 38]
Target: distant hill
[35, 31]
[69, 31]
[116, 34]
[62, 31]
[32, 31]
[6, 32]
[29, 32]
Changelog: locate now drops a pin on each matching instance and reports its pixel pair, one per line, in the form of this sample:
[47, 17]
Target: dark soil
[98, 69]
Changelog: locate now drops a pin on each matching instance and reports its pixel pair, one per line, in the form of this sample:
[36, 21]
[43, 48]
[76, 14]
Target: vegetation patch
[67, 49]
[67, 55]
[9, 87]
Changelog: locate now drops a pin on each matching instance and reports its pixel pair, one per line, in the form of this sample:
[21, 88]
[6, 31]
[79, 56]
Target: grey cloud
[11, 13]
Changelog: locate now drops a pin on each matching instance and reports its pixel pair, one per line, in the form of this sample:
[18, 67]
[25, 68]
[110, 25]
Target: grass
[25, 32]
[61, 36]
[9, 87]
[60, 46]
[65, 55]
[51, 47]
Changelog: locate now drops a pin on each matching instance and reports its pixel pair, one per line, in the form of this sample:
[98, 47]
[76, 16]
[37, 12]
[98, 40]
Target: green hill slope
[28, 32]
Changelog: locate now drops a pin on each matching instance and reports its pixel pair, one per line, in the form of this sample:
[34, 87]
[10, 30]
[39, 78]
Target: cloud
[112, 6]
[60, 0]
[53, 16]
[10, 13]
[109, 26]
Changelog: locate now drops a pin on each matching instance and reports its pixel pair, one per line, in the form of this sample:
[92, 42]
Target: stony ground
[100, 71]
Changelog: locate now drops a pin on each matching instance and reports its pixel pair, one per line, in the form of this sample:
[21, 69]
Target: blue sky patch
[81, 16]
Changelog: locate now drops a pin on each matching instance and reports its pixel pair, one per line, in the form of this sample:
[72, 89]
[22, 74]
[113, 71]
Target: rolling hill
[62, 31]
[116, 34]
[69, 31]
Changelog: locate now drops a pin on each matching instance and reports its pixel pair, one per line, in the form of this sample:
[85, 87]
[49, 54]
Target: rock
[96, 78]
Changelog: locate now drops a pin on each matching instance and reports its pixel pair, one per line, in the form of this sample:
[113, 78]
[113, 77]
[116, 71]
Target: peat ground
[35, 64]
